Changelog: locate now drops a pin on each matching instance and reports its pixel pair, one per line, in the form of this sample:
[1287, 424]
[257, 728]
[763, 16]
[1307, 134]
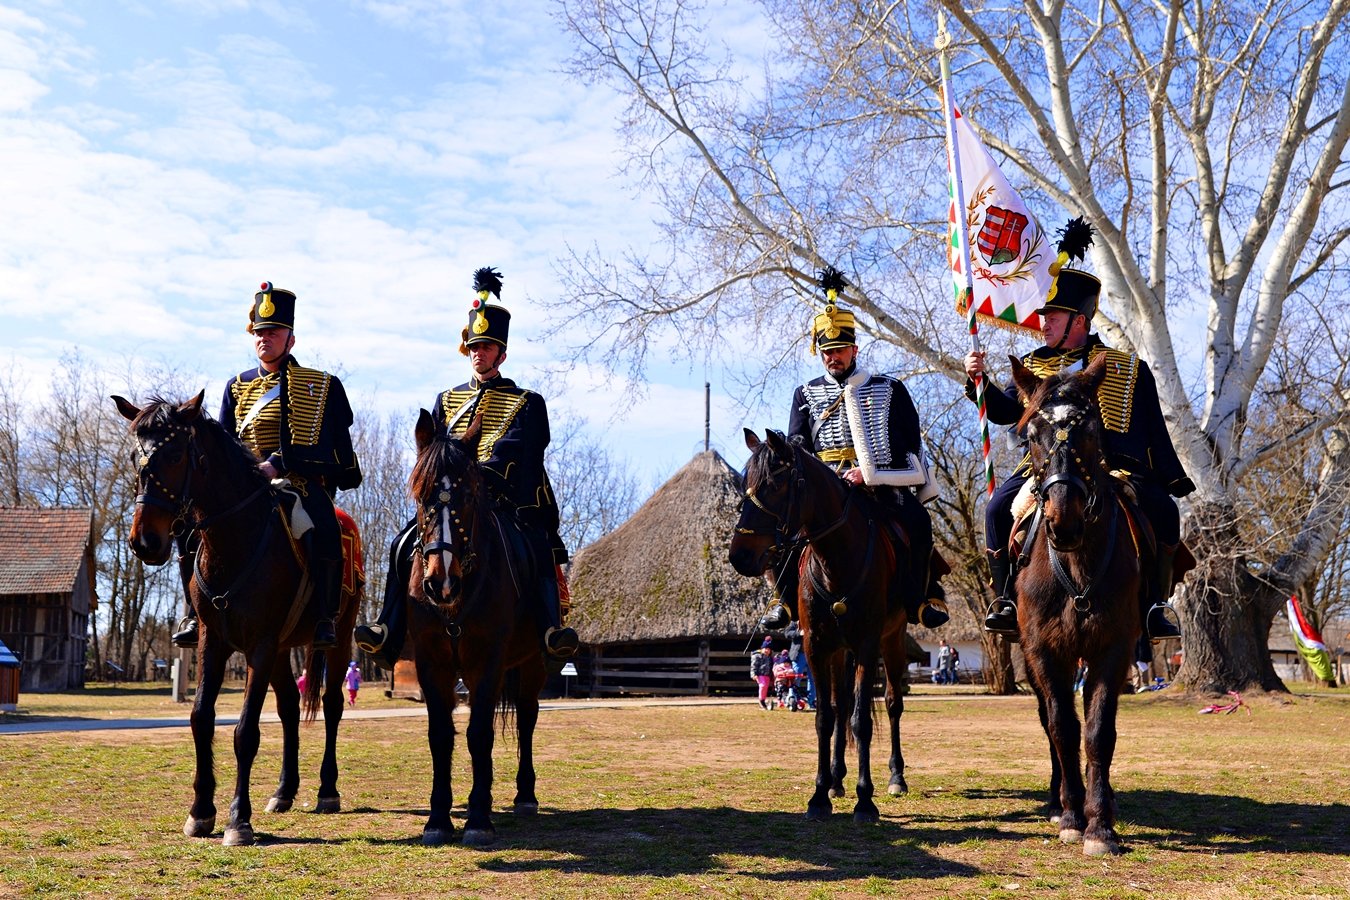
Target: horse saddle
[299, 525]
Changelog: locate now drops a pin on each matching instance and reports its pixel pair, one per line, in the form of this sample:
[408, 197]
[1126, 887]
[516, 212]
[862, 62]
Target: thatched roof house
[663, 575]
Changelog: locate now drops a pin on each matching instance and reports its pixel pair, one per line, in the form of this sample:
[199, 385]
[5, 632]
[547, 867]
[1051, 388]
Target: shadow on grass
[1190, 822]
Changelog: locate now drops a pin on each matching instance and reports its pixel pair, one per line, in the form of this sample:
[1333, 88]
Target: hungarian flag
[1309, 642]
[1009, 254]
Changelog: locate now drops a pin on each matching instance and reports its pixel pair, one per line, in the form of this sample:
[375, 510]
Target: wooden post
[703, 673]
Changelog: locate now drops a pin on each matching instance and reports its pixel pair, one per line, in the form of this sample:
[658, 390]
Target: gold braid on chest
[306, 396]
[262, 434]
[1116, 394]
[497, 407]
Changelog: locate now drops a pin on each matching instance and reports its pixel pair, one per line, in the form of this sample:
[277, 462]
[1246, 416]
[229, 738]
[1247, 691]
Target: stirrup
[371, 638]
[561, 642]
[186, 635]
[1159, 624]
[1002, 618]
[933, 613]
[325, 634]
[776, 619]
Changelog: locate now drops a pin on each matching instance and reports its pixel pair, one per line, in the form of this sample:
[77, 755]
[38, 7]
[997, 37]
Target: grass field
[657, 800]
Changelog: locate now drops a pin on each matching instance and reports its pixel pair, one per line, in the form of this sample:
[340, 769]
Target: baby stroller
[789, 686]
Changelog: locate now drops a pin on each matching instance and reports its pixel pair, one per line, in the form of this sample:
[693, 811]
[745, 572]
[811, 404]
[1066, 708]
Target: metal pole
[707, 416]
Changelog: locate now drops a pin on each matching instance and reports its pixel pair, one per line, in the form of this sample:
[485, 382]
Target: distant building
[47, 593]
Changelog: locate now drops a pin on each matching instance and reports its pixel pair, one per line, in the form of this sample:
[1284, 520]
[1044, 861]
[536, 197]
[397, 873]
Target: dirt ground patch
[656, 800]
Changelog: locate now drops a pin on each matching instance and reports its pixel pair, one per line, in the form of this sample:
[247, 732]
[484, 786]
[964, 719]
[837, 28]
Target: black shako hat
[487, 321]
[833, 326]
[272, 308]
[1072, 290]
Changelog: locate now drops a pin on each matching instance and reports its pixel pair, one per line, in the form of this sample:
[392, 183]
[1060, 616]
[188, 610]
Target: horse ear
[1095, 373]
[751, 440]
[777, 443]
[192, 409]
[126, 408]
[425, 430]
[473, 432]
[1026, 380]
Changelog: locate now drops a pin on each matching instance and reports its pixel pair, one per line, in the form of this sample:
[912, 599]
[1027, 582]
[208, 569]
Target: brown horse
[850, 600]
[1077, 595]
[472, 614]
[200, 487]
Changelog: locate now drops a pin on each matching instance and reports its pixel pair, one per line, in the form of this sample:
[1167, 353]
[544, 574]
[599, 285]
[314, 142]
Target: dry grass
[656, 800]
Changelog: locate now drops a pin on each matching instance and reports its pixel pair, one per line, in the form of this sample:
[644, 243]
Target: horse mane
[444, 455]
[159, 413]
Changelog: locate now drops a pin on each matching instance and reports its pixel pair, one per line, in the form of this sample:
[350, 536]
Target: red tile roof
[41, 549]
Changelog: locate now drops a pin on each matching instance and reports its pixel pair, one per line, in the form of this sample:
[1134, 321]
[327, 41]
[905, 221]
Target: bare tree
[381, 505]
[596, 492]
[1202, 140]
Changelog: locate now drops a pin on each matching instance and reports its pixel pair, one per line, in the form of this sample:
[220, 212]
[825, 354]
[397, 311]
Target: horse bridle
[175, 502]
[1063, 444]
[441, 517]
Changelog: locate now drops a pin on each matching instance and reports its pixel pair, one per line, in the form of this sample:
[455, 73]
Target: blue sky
[159, 159]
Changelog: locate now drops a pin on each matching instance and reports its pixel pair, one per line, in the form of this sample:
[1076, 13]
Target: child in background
[353, 682]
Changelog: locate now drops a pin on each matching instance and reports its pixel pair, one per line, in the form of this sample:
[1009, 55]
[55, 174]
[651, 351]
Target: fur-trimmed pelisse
[487, 322]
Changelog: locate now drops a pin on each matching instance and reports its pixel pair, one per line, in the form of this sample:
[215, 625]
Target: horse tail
[316, 663]
[508, 701]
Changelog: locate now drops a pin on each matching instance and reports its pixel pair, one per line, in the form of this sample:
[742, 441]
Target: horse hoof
[279, 805]
[866, 817]
[1099, 847]
[239, 836]
[897, 788]
[434, 837]
[479, 837]
[526, 809]
[328, 805]
[1054, 818]
[836, 793]
[817, 814]
[195, 827]
[1070, 836]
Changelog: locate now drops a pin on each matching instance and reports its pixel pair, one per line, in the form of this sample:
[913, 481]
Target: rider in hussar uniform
[864, 426]
[511, 447]
[297, 421]
[1138, 446]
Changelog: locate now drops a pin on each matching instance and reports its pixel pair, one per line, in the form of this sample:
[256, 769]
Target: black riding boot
[327, 576]
[384, 640]
[1159, 616]
[783, 607]
[1002, 617]
[560, 641]
[186, 635]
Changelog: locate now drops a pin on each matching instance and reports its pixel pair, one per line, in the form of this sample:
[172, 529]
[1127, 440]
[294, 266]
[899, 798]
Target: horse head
[448, 488]
[1063, 428]
[166, 461]
[771, 508]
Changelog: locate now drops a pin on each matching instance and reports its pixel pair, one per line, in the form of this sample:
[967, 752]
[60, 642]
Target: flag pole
[964, 278]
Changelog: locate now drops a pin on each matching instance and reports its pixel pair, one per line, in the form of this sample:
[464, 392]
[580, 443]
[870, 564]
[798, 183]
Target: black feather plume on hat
[1075, 238]
[831, 279]
[488, 279]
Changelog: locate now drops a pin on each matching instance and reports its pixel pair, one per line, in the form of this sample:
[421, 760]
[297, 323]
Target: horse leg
[335, 658]
[1100, 706]
[438, 692]
[288, 710]
[1056, 684]
[893, 658]
[483, 696]
[531, 682]
[1054, 808]
[843, 714]
[864, 810]
[201, 820]
[818, 807]
[239, 831]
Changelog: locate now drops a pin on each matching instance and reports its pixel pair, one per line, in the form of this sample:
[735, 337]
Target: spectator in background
[944, 662]
[353, 682]
[761, 672]
[952, 663]
[302, 681]
[798, 656]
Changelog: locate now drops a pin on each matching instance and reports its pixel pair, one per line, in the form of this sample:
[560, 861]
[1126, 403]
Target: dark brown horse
[850, 603]
[472, 615]
[1077, 596]
[199, 486]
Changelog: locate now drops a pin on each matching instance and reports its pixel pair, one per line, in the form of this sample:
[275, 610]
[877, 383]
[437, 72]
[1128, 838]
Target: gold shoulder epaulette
[306, 397]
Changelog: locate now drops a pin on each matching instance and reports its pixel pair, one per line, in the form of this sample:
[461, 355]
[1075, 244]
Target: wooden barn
[658, 607]
[47, 593]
